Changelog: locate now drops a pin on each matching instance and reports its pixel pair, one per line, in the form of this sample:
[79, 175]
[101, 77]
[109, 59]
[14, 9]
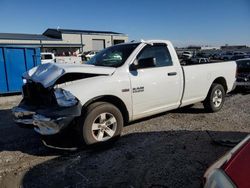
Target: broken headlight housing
[24, 81]
[65, 98]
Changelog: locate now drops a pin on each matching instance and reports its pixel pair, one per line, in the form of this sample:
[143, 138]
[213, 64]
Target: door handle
[172, 73]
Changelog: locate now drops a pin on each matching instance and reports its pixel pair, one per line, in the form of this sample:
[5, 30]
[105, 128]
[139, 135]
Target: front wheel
[102, 122]
[215, 98]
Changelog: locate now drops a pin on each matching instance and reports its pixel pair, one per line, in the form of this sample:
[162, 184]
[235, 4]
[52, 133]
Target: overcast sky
[185, 22]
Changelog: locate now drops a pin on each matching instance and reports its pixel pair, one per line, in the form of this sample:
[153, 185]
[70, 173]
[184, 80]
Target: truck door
[157, 86]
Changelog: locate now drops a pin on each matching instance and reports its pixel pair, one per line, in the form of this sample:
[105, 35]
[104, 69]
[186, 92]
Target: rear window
[46, 56]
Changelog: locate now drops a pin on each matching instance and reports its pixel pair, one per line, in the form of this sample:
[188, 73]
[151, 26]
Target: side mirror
[134, 66]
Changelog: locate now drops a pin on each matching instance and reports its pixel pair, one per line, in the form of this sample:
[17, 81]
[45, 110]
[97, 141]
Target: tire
[101, 123]
[215, 98]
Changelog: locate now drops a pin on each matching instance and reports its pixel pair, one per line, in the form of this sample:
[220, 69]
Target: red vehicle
[232, 170]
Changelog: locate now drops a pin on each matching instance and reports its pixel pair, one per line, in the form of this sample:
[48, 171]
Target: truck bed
[198, 76]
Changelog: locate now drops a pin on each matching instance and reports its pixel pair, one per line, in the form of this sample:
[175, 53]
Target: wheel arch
[116, 101]
[222, 81]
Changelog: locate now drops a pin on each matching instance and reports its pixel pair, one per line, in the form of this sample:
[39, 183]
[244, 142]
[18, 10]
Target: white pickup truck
[120, 84]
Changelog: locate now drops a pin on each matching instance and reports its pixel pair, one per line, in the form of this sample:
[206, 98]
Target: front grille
[36, 94]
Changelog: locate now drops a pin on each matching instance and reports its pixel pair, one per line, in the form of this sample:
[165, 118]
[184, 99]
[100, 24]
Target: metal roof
[53, 34]
[20, 36]
[72, 31]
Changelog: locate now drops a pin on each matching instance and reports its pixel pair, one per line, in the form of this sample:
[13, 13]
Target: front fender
[92, 88]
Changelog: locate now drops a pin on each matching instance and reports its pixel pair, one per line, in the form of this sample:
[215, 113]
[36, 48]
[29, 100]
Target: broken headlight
[24, 81]
[65, 98]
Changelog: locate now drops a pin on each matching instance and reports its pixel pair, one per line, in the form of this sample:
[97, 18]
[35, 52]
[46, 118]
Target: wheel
[102, 122]
[215, 98]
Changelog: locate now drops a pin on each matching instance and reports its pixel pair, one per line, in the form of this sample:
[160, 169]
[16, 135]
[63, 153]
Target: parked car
[120, 84]
[236, 57]
[187, 55]
[243, 73]
[90, 54]
[203, 55]
[217, 56]
[47, 57]
[232, 170]
[199, 60]
[83, 55]
[229, 55]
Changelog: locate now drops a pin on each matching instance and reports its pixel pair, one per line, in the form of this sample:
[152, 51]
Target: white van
[47, 57]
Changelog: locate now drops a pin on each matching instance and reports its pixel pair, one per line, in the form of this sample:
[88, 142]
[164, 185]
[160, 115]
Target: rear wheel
[215, 98]
[102, 122]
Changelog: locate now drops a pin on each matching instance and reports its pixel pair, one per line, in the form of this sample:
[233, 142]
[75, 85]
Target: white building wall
[125, 38]
[210, 48]
[87, 40]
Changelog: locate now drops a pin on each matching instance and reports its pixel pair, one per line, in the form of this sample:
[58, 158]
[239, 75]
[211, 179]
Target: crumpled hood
[47, 74]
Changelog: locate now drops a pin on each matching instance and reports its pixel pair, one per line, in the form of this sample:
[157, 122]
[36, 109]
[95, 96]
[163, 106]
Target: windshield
[114, 56]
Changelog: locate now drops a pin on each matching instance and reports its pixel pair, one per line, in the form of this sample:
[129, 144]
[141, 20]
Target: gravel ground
[172, 149]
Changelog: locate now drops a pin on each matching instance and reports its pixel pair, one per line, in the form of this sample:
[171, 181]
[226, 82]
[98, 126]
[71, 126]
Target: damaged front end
[46, 105]
[48, 110]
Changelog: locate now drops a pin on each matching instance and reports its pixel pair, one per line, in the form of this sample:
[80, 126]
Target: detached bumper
[46, 121]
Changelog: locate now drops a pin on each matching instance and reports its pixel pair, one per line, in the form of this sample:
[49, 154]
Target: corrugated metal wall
[14, 61]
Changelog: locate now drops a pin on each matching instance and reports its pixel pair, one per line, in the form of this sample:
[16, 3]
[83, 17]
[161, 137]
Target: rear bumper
[48, 121]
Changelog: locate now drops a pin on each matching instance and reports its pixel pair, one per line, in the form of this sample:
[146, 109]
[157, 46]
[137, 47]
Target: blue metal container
[14, 61]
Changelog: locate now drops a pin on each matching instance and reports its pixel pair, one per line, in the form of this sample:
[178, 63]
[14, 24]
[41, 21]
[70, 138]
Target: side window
[159, 52]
